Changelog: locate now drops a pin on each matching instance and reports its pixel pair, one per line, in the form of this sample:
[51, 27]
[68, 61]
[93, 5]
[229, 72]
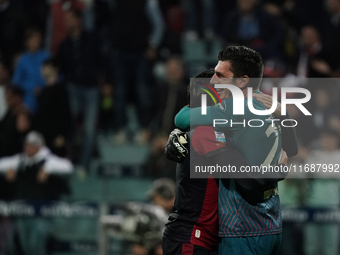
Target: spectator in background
[36, 11]
[34, 173]
[174, 20]
[157, 165]
[162, 193]
[325, 115]
[136, 30]
[273, 70]
[272, 8]
[4, 81]
[331, 26]
[13, 23]
[56, 30]
[323, 238]
[170, 95]
[314, 59]
[27, 72]
[6, 226]
[106, 109]
[80, 60]
[324, 110]
[253, 27]
[16, 123]
[305, 129]
[52, 117]
[302, 12]
[222, 7]
[200, 19]
[13, 128]
[6, 232]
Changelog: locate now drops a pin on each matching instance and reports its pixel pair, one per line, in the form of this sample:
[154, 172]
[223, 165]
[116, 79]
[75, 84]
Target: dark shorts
[176, 248]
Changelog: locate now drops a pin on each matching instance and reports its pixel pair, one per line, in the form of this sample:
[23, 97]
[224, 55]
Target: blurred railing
[93, 210]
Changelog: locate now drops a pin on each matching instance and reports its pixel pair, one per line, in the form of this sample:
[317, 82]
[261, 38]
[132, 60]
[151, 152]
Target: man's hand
[175, 149]
[267, 102]
[42, 176]
[11, 175]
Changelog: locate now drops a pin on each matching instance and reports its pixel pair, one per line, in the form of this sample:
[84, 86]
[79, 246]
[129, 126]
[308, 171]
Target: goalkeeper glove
[175, 149]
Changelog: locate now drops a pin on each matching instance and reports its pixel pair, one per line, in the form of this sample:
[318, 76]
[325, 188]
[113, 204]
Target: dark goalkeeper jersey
[194, 218]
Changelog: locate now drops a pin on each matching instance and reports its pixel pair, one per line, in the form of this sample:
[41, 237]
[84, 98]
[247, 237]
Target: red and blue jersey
[194, 218]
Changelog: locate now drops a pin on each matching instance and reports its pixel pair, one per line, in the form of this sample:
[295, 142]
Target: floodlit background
[102, 80]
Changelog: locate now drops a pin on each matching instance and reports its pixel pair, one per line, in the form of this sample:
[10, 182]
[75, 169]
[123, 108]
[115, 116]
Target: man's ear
[242, 82]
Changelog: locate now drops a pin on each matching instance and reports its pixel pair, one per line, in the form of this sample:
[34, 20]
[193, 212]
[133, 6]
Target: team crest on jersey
[197, 233]
[222, 107]
[220, 137]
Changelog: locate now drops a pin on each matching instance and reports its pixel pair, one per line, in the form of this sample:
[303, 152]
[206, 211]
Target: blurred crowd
[70, 69]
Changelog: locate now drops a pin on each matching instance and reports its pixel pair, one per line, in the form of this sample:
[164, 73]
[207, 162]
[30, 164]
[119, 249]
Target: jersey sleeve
[207, 143]
[182, 119]
[194, 117]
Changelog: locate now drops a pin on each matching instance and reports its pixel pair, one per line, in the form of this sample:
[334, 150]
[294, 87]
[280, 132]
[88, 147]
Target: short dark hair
[194, 92]
[16, 90]
[244, 61]
[163, 187]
